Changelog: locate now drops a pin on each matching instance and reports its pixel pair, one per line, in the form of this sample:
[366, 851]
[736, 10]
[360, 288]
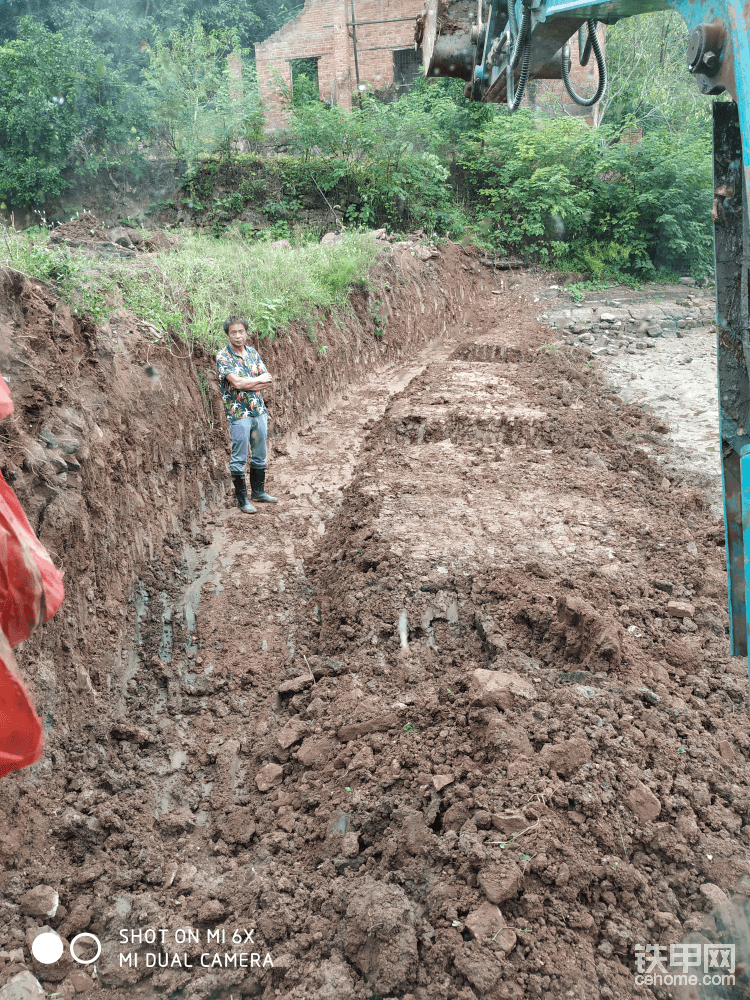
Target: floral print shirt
[237, 402]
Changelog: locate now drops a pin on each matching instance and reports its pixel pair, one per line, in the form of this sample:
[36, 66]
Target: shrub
[192, 96]
[61, 105]
[555, 191]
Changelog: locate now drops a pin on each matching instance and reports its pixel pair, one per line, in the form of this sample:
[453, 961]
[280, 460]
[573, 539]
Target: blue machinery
[496, 46]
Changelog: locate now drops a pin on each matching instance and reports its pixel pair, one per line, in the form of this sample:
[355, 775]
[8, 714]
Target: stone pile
[612, 326]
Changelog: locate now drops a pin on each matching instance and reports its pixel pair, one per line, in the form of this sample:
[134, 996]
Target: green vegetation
[192, 97]
[120, 84]
[60, 104]
[556, 192]
[190, 292]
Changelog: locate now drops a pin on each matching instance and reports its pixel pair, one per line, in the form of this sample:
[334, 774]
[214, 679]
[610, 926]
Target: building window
[407, 65]
[305, 86]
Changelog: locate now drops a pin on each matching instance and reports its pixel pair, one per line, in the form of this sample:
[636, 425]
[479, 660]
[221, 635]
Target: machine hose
[584, 45]
[520, 38]
[586, 102]
[515, 103]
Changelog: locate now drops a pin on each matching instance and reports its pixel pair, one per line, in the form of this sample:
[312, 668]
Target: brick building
[385, 55]
[377, 54]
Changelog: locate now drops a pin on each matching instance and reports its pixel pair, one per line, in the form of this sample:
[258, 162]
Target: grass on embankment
[191, 289]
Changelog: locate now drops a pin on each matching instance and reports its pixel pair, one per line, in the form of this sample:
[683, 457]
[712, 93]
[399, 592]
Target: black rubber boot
[240, 491]
[258, 486]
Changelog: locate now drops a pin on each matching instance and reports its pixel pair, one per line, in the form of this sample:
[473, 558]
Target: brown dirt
[85, 228]
[543, 776]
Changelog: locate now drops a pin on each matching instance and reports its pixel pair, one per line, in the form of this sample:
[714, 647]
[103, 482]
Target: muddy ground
[454, 719]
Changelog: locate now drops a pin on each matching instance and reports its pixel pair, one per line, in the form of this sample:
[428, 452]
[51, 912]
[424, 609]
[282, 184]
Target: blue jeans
[248, 431]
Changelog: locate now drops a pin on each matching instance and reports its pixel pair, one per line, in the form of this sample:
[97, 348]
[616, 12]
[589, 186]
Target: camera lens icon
[47, 948]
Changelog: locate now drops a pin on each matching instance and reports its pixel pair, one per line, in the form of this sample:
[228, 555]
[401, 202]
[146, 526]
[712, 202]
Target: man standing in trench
[243, 377]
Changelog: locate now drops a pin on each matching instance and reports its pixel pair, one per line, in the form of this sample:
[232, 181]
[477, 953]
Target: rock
[24, 986]
[285, 818]
[490, 634]
[484, 922]
[687, 281]
[607, 317]
[378, 724]
[281, 245]
[48, 438]
[505, 738]
[363, 758]
[380, 234]
[239, 826]
[482, 819]
[506, 939]
[687, 825]
[69, 445]
[81, 982]
[212, 912]
[177, 820]
[683, 653]
[726, 751]
[350, 845]
[41, 901]
[714, 896]
[594, 639]
[269, 776]
[120, 236]
[643, 803]
[440, 781]
[455, 816]
[292, 733]
[331, 238]
[681, 609]
[510, 823]
[565, 758]
[500, 688]
[479, 965]
[500, 881]
[424, 253]
[417, 835]
[379, 936]
[296, 684]
[312, 747]
[664, 585]
[594, 461]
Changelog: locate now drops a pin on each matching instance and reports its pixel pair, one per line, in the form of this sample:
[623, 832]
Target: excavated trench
[455, 719]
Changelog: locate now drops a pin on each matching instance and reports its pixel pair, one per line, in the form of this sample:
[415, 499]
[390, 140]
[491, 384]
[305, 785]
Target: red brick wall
[321, 31]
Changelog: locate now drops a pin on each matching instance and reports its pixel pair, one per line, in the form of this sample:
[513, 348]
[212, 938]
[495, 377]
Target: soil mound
[86, 230]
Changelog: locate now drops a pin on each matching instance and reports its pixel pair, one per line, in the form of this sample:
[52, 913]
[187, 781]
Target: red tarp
[31, 591]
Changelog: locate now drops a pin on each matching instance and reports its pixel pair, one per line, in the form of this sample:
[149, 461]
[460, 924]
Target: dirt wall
[114, 447]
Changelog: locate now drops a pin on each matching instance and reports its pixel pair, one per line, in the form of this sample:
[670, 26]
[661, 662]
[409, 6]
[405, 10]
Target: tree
[648, 78]
[118, 28]
[60, 106]
[192, 100]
